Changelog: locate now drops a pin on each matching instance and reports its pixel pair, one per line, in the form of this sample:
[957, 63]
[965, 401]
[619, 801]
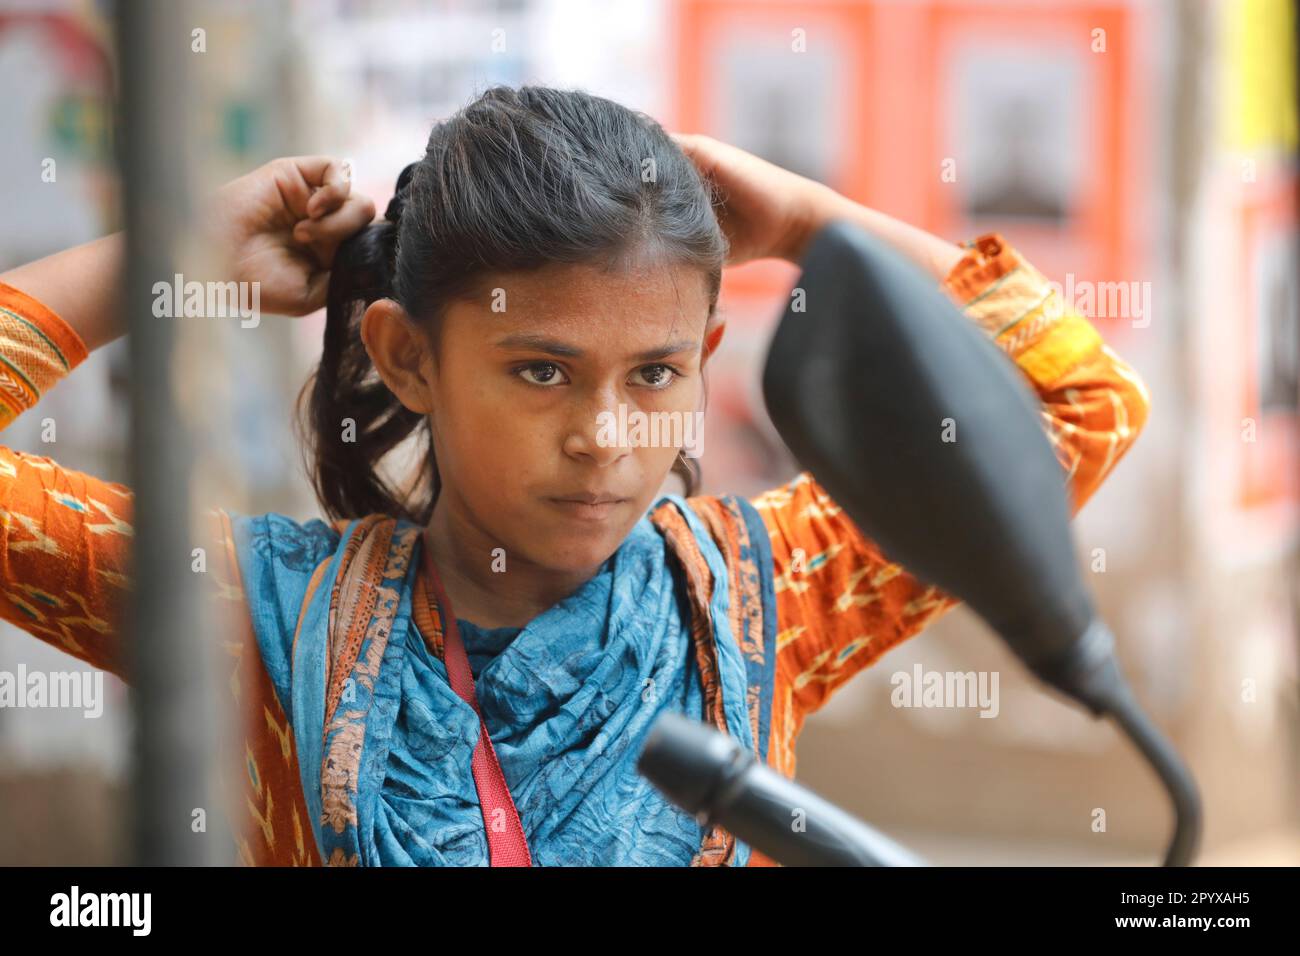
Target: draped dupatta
[357, 751]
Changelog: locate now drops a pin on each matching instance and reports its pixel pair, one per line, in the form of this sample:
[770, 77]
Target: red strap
[506, 844]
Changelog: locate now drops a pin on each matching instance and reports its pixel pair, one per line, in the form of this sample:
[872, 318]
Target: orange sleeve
[64, 535]
[64, 551]
[840, 603]
[37, 349]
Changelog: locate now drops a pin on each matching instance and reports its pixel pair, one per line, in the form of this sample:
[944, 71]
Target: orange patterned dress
[65, 536]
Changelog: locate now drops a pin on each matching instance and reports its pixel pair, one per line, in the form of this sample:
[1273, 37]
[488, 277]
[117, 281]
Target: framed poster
[1270, 309]
[787, 81]
[1034, 128]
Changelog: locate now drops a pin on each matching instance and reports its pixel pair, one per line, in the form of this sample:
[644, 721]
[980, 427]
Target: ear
[401, 353]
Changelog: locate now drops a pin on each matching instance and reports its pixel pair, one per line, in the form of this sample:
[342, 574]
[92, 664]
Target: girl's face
[516, 393]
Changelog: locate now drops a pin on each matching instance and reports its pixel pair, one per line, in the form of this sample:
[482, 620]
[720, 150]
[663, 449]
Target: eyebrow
[540, 343]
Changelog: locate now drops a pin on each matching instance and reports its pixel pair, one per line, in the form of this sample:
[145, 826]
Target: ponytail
[352, 418]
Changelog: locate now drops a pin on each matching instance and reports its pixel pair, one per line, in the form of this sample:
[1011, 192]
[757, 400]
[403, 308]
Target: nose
[594, 431]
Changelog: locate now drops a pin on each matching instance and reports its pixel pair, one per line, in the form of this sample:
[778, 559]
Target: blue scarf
[568, 701]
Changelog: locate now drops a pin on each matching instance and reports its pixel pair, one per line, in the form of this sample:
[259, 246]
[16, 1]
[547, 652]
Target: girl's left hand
[281, 224]
[770, 211]
[766, 211]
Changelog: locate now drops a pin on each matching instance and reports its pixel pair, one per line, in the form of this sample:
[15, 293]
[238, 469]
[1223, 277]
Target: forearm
[935, 256]
[81, 285]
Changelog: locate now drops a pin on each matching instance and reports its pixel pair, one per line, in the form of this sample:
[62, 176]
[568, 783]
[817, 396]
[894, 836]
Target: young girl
[528, 276]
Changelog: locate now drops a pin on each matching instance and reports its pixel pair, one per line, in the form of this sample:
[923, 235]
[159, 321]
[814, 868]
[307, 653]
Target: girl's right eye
[545, 374]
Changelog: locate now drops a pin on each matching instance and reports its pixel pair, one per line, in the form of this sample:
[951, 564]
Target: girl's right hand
[281, 224]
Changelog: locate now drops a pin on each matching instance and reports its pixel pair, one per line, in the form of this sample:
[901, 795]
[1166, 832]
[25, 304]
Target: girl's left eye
[656, 376]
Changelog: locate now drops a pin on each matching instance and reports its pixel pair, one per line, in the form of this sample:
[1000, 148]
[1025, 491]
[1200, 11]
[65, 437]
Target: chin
[579, 547]
[581, 553]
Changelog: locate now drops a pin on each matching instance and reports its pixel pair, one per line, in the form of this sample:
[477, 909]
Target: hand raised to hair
[281, 224]
[766, 211]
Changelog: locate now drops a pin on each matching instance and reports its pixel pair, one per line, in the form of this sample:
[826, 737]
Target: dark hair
[517, 179]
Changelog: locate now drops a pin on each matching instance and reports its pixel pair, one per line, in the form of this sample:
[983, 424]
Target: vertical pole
[169, 623]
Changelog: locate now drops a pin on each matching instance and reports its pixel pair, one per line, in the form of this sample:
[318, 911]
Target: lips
[590, 498]
[589, 505]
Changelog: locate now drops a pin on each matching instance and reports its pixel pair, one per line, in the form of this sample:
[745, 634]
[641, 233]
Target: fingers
[318, 171]
[313, 186]
[693, 141]
[324, 234]
[352, 214]
[724, 161]
[701, 149]
[333, 179]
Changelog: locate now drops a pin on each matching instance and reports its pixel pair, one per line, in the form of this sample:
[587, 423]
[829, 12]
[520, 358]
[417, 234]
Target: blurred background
[1149, 144]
